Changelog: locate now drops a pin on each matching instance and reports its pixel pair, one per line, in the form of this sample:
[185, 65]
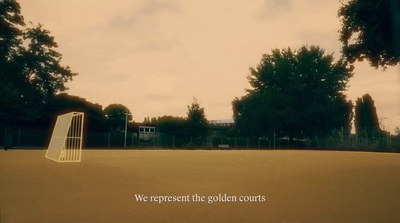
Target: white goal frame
[66, 141]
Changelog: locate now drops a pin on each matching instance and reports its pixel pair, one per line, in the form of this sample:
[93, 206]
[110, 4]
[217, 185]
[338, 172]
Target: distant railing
[39, 138]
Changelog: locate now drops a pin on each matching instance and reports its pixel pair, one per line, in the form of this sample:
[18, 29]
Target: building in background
[222, 123]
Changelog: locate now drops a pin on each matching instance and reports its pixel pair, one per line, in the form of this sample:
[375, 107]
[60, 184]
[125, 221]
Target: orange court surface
[235, 185]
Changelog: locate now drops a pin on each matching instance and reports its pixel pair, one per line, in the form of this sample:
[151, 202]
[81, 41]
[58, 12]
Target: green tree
[366, 119]
[197, 124]
[95, 120]
[42, 69]
[10, 21]
[295, 93]
[397, 131]
[371, 30]
[251, 112]
[148, 120]
[170, 125]
[30, 69]
[117, 114]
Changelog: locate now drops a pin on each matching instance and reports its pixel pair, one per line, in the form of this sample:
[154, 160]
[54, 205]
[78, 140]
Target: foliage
[251, 112]
[148, 120]
[366, 118]
[397, 131]
[175, 126]
[30, 70]
[10, 21]
[197, 124]
[117, 114]
[94, 117]
[295, 93]
[41, 62]
[371, 30]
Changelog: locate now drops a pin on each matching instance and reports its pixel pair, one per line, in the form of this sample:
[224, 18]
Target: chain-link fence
[39, 138]
[14, 137]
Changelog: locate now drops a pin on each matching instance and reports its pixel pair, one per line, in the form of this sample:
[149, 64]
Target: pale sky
[154, 56]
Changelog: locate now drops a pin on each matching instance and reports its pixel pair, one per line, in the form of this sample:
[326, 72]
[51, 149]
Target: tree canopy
[117, 115]
[171, 125]
[295, 93]
[371, 31]
[197, 124]
[94, 117]
[366, 119]
[30, 67]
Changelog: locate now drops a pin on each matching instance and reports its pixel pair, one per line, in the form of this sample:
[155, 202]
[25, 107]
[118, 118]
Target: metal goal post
[66, 141]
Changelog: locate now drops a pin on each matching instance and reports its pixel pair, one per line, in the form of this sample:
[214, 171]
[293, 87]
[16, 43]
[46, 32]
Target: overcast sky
[154, 56]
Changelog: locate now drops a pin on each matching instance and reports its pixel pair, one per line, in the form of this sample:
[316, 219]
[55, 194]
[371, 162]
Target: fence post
[19, 137]
[274, 135]
[158, 139]
[109, 136]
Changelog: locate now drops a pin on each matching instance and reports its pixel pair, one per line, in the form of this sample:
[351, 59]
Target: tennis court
[298, 186]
